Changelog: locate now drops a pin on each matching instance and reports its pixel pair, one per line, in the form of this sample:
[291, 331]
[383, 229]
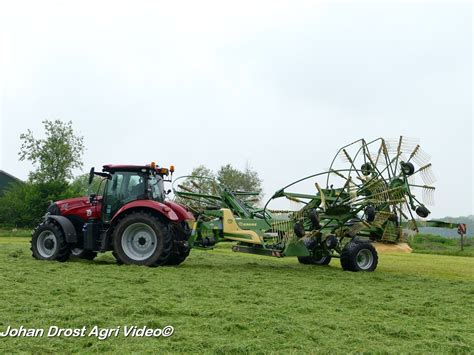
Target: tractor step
[259, 251]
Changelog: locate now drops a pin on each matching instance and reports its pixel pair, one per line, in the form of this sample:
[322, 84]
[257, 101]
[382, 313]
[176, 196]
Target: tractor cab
[128, 183]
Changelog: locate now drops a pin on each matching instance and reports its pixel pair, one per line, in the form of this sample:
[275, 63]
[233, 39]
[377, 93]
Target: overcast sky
[278, 85]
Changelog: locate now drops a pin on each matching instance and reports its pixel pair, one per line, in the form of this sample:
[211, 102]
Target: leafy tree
[202, 181]
[54, 156]
[227, 176]
[80, 186]
[237, 180]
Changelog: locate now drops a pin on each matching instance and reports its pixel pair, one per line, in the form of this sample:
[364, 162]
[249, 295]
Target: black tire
[49, 243]
[370, 213]
[422, 211]
[314, 218]
[407, 168]
[181, 249]
[366, 169]
[142, 239]
[316, 258]
[83, 254]
[359, 256]
[180, 253]
[117, 260]
[299, 230]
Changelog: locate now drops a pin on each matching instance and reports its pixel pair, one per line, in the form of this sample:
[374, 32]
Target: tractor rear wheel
[142, 239]
[181, 233]
[178, 258]
[359, 256]
[119, 262]
[49, 243]
[83, 254]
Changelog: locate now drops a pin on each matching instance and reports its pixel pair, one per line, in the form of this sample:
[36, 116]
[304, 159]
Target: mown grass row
[224, 302]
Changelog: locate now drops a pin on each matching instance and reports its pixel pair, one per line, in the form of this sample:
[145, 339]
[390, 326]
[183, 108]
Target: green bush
[23, 204]
[435, 244]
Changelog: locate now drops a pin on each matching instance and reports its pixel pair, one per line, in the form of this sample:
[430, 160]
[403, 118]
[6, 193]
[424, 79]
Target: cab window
[157, 188]
[123, 187]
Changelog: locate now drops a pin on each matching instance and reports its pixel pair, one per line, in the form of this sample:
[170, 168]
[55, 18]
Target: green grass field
[224, 302]
[434, 244]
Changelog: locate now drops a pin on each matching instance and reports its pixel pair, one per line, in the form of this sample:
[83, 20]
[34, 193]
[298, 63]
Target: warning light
[172, 168]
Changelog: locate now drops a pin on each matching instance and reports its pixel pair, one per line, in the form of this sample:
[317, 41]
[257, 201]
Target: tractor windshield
[157, 188]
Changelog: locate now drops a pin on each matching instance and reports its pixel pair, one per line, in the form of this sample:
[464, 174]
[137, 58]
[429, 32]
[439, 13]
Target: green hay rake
[370, 195]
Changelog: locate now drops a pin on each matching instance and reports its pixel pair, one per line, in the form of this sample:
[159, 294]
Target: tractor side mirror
[91, 175]
[92, 198]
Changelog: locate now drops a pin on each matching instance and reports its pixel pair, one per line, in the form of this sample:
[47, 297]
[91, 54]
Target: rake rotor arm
[245, 193]
[337, 154]
[194, 194]
[362, 148]
[282, 193]
[239, 208]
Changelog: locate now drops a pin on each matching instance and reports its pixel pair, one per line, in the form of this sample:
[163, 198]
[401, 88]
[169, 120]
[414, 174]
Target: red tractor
[132, 219]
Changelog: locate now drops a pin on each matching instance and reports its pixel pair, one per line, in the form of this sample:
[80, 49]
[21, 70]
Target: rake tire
[315, 259]
[359, 256]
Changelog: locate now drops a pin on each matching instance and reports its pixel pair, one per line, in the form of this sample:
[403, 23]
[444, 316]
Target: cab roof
[112, 168]
[115, 167]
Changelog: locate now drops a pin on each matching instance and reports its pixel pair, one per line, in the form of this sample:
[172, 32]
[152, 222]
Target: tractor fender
[158, 207]
[67, 226]
[181, 211]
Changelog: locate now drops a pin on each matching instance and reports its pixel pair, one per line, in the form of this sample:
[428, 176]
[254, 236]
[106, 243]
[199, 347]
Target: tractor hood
[72, 204]
[78, 206]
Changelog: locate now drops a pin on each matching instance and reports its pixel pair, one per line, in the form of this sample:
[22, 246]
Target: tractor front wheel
[49, 243]
[359, 256]
[142, 239]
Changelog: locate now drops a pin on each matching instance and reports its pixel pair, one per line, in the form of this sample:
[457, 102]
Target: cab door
[121, 189]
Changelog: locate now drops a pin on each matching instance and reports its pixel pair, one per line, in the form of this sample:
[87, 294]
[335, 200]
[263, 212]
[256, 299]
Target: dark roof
[10, 176]
[6, 179]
